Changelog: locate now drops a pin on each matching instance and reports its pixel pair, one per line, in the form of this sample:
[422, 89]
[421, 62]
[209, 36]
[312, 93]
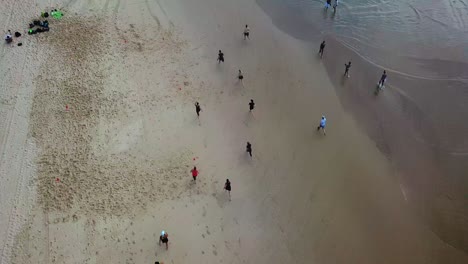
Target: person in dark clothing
[322, 47]
[327, 4]
[347, 66]
[240, 76]
[251, 105]
[164, 238]
[227, 187]
[249, 148]
[197, 108]
[383, 78]
[220, 57]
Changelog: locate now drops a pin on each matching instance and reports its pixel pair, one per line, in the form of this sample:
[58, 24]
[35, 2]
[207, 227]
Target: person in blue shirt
[323, 123]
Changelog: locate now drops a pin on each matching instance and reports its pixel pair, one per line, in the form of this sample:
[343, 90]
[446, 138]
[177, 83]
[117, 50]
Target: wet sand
[113, 169]
[417, 122]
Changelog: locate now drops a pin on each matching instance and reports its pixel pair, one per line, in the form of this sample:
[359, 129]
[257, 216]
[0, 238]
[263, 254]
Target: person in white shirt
[8, 37]
[246, 32]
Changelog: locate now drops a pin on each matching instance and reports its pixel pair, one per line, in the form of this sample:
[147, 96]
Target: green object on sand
[57, 14]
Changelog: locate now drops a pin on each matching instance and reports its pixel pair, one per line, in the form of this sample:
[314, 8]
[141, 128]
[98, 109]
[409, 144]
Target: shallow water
[412, 27]
[420, 120]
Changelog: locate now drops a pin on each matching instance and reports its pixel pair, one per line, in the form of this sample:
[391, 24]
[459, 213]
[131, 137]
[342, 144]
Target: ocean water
[420, 121]
[412, 28]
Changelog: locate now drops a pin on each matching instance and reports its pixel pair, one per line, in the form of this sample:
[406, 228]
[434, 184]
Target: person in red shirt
[194, 173]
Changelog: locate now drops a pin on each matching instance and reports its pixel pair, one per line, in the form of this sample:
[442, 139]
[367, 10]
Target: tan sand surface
[99, 134]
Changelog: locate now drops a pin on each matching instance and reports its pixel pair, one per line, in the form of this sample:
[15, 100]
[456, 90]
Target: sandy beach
[99, 133]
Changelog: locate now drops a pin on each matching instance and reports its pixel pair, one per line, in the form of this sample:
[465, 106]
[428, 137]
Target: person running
[227, 187]
[251, 105]
[246, 32]
[347, 66]
[383, 78]
[194, 172]
[249, 148]
[240, 76]
[323, 123]
[198, 109]
[164, 238]
[322, 47]
[220, 57]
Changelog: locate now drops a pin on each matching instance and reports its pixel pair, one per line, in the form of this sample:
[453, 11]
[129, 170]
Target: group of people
[198, 109]
[382, 79]
[164, 238]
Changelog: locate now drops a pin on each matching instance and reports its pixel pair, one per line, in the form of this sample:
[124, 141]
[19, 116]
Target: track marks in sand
[72, 176]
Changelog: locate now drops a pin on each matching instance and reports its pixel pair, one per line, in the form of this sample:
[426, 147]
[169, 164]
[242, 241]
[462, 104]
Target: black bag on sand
[17, 34]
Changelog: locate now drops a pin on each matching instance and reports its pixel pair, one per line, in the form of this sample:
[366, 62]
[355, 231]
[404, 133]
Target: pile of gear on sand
[37, 26]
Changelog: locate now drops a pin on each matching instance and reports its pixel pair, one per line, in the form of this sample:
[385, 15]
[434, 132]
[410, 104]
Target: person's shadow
[343, 80]
[378, 89]
[249, 117]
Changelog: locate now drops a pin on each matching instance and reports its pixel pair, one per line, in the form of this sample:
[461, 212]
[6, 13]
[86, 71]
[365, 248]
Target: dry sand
[96, 182]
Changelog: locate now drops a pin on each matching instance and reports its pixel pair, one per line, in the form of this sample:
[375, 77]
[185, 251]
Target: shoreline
[302, 198]
[399, 120]
[417, 122]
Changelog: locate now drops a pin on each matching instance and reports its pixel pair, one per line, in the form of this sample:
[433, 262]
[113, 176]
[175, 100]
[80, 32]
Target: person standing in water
[227, 187]
[249, 148]
[335, 5]
[240, 76]
[347, 66]
[327, 4]
[164, 238]
[220, 57]
[194, 172]
[322, 47]
[323, 123]
[383, 78]
[197, 109]
[246, 32]
[251, 105]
